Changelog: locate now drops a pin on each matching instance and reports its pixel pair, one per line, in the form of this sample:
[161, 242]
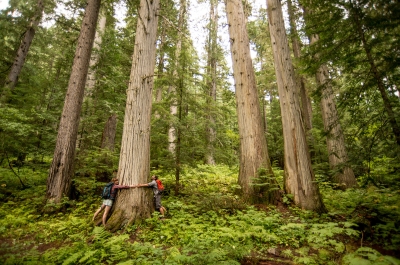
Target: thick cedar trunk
[110, 129]
[134, 163]
[23, 49]
[299, 176]
[62, 167]
[253, 144]
[212, 83]
[338, 159]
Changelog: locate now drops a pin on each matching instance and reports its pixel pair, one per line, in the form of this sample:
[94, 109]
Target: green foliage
[207, 224]
[368, 256]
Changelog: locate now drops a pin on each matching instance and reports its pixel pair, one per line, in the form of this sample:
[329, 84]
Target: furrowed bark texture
[299, 175]
[338, 159]
[134, 163]
[253, 145]
[62, 167]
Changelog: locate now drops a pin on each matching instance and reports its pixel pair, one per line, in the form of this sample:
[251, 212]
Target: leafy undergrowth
[206, 224]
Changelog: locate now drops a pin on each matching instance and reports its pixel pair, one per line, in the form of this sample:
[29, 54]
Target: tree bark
[62, 167]
[134, 163]
[172, 131]
[212, 83]
[110, 129]
[23, 49]
[299, 176]
[253, 144]
[306, 108]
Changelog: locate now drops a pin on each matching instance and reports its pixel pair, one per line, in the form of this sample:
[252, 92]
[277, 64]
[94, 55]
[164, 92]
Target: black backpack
[107, 191]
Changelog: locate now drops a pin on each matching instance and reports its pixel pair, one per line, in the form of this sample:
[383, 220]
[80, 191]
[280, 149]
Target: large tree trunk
[253, 144]
[299, 176]
[62, 167]
[134, 163]
[23, 49]
[212, 81]
[338, 159]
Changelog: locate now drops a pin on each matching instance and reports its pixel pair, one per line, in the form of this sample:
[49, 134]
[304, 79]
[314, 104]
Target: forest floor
[208, 225]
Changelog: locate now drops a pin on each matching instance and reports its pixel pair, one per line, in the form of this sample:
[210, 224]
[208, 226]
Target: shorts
[108, 202]
[157, 200]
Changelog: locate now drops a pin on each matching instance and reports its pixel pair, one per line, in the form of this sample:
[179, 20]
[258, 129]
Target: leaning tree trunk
[212, 83]
[62, 167]
[85, 126]
[23, 49]
[134, 163]
[253, 144]
[338, 159]
[299, 176]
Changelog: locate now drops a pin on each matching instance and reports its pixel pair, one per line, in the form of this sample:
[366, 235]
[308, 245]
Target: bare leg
[162, 211]
[105, 214]
[98, 211]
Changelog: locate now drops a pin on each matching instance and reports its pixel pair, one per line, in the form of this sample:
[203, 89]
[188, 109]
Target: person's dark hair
[114, 180]
[156, 177]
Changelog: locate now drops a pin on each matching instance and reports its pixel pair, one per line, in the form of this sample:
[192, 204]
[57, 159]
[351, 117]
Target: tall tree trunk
[134, 163]
[160, 67]
[91, 82]
[253, 144]
[23, 49]
[98, 39]
[212, 83]
[378, 78]
[306, 108]
[299, 176]
[172, 131]
[62, 167]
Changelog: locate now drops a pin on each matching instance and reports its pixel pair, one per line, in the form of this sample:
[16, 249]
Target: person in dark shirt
[107, 203]
[157, 194]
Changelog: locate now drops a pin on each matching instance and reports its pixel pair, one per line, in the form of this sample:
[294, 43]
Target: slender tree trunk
[134, 163]
[91, 79]
[172, 131]
[23, 49]
[299, 176]
[160, 67]
[253, 144]
[62, 167]
[378, 78]
[212, 83]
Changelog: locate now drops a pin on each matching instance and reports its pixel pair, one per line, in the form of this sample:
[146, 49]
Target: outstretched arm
[141, 185]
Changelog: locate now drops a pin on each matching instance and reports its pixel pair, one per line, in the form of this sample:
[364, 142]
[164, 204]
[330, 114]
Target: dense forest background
[329, 74]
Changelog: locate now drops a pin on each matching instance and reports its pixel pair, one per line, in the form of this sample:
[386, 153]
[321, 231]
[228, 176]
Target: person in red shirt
[107, 203]
[157, 194]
